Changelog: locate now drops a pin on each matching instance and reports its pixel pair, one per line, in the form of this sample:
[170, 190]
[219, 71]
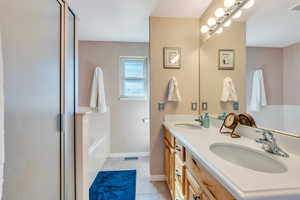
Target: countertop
[243, 183]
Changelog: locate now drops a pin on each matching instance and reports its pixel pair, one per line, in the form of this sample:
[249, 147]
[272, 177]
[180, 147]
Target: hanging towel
[229, 92]
[1, 119]
[173, 91]
[258, 94]
[97, 100]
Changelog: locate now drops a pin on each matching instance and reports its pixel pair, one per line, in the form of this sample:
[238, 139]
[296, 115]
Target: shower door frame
[64, 9]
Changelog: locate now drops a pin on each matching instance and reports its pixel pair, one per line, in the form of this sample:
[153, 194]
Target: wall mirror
[266, 74]
[273, 65]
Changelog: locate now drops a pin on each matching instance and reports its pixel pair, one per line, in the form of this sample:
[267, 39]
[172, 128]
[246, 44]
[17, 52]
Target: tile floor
[145, 189]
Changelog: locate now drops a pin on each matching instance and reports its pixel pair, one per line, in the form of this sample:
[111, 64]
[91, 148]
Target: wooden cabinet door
[170, 167]
[167, 164]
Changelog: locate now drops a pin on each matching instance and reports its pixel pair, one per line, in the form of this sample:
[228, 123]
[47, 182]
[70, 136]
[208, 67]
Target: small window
[133, 78]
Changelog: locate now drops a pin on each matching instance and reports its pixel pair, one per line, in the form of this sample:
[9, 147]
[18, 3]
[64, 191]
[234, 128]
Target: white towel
[258, 94]
[1, 118]
[98, 93]
[173, 91]
[229, 93]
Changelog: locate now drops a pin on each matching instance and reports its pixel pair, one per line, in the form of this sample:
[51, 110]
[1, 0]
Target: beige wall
[211, 79]
[291, 75]
[270, 60]
[128, 132]
[171, 32]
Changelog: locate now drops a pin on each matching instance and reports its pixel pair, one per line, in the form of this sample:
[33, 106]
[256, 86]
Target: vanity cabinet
[187, 179]
[169, 161]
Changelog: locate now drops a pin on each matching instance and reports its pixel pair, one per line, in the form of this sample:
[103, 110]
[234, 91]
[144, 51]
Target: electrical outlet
[235, 106]
[194, 106]
[161, 107]
[204, 106]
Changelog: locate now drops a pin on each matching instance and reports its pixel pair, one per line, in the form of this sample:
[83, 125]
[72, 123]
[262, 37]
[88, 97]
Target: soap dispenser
[206, 120]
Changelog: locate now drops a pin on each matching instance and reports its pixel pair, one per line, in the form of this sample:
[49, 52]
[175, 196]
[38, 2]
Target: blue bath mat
[114, 185]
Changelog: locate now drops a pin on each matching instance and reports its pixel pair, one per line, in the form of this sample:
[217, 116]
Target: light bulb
[227, 24]
[249, 4]
[229, 3]
[204, 29]
[219, 31]
[211, 21]
[220, 12]
[237, 14]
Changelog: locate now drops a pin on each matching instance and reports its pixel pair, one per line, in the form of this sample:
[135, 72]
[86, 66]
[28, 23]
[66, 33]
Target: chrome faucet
[270, 144]
[200, 120]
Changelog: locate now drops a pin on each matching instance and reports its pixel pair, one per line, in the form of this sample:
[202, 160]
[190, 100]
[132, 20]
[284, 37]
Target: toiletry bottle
[206, 121]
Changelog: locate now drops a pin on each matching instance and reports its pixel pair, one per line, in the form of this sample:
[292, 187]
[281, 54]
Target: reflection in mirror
[273, 65]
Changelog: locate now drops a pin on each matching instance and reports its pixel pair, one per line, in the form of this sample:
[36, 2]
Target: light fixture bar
[229, 13]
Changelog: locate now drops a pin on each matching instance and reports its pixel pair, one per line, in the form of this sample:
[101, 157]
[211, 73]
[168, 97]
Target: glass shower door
[31, 34]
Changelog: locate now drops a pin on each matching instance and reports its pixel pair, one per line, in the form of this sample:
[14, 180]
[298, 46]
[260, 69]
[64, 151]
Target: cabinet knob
[177, 173]
[177, 148]
[196, 197]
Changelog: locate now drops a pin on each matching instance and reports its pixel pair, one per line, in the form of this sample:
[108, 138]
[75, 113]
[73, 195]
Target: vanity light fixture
[229, 3]
[223, 16]
[220, 30]
[220, 12]
[237, 15]
[249, 4]
[227, 24]
[204, 29]
[211, 22]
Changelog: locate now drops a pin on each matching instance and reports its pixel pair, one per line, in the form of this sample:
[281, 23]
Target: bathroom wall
[211, 78]
[291, 74]
[171, 32]
[291, 79]
[128, 132]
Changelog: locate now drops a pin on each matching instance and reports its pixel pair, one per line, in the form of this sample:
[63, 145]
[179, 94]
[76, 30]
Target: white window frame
[122, 77]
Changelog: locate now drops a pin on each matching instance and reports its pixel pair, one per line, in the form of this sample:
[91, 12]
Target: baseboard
[131, 154]
[158, 178]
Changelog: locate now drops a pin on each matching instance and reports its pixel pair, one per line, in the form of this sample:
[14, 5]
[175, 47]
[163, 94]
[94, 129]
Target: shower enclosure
[39, 50]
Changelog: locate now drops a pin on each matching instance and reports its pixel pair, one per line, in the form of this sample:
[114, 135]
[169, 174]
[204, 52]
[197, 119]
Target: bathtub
[92, 148]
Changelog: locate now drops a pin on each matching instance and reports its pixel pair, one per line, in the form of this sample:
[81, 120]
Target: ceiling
[271, 23]
[128, 20]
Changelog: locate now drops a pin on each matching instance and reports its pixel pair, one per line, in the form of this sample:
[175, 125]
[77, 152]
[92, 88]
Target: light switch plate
[194, 106]
[235, 106]
[161, 107]
[204, 106]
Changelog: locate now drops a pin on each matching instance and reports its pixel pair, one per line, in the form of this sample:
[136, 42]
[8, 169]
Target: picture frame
[226, 59]
[172, 58]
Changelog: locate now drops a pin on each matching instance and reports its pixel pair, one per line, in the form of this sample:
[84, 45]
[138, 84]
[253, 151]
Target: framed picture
[172, 58]
[226, 59]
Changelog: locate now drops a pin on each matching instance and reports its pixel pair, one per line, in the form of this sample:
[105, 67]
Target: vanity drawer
[179, 173]
[196, 190]
[178, 193]
[180, 150]
[170, 139]
[203, 177]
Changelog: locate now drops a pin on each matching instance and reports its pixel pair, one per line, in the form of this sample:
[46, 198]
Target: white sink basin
[248, 158]
[189, 125]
